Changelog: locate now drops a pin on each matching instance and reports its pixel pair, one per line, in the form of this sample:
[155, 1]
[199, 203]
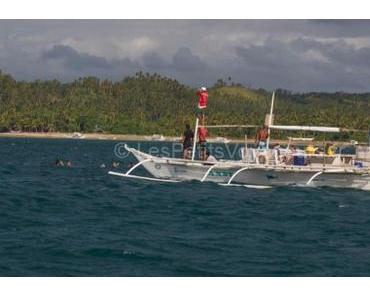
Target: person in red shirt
[202, 136]
[261, 137]
[202, 103]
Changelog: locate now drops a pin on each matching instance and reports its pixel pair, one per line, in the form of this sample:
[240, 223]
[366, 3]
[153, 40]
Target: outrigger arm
[129, 175]
[208, 172]
[136, 166]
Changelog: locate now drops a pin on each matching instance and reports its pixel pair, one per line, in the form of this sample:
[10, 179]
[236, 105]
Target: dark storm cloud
[324, 66]
[75, 64]
[80, 61]
[182, 61]
[74, 59]
[154, 61]
[186, 61]
[300, 55]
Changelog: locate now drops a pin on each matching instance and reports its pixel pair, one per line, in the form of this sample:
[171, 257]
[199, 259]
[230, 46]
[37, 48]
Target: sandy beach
[102, 136]
[98, 136]
[127, 137]
[65, 135]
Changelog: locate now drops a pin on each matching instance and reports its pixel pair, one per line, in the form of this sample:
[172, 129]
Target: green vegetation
[148, 104]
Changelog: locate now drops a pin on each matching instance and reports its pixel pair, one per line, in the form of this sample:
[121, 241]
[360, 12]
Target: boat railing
[281, 156]
[363, 153]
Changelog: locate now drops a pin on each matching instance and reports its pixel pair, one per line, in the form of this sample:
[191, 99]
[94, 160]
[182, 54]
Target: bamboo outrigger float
[263, 168]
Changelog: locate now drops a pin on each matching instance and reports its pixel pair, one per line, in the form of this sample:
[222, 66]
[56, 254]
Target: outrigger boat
[263, 168]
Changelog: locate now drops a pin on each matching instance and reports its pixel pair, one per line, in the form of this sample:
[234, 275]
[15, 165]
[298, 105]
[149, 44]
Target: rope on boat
[229, 126]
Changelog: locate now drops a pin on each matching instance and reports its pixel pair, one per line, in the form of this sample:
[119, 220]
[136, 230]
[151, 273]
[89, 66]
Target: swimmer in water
[59, 163]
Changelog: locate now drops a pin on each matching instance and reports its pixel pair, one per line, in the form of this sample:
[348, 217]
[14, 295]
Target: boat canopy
[301, 138]
[308, 128]
[229, 126]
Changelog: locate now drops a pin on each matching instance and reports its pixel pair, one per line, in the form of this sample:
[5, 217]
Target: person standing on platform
[202, 104]
[261, 137]
[187, 141]
[202, 136]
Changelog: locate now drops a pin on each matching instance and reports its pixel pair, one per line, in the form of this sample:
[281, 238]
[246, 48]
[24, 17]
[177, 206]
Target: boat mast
[195, 139]
[270, 119]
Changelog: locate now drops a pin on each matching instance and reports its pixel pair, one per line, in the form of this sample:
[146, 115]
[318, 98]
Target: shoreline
[99, 136]
[68, 135]
[132, 137]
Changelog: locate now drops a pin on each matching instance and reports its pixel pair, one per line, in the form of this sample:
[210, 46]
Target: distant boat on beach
[220, 140]
[77, 135]
[155, 137]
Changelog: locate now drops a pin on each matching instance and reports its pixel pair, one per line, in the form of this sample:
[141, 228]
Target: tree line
[150, 103]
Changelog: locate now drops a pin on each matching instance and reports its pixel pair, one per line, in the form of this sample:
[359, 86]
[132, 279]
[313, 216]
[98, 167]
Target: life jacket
[310, 149]
[330, 151]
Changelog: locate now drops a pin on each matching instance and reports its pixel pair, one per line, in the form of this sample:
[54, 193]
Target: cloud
[75, 60]
[339, 28]
[300, 55]
[154, 61]
[182, 64]
[142, 43]
[307, 65]
[184, 60]
[73, 63]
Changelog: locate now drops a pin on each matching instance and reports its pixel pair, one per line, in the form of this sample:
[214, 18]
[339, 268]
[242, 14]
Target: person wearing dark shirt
[187, 141]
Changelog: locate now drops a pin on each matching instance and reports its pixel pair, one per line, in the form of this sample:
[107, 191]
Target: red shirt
[202, 99]
[203, 134]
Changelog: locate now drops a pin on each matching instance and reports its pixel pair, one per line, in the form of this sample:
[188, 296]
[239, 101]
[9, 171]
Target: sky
[297, 55]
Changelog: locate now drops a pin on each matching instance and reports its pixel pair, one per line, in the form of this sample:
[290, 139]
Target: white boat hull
[288, 178]
[237, 172]
[186, 171]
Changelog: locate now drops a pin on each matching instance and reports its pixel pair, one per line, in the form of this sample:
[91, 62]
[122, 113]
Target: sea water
[80, 221]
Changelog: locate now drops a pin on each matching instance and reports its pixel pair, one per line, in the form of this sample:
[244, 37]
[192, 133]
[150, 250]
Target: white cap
[203, 89]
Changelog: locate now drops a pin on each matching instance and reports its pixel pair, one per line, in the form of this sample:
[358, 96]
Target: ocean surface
[80, 221]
